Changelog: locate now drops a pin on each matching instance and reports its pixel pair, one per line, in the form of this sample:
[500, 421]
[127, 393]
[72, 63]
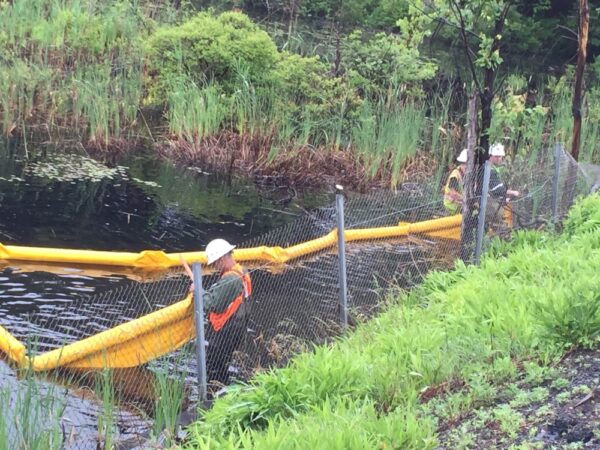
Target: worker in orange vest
[226, 305]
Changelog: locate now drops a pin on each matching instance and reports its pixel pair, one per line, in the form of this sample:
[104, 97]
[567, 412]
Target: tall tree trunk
[571, 179]
[487, 91]
[584, 23]
[469, 220]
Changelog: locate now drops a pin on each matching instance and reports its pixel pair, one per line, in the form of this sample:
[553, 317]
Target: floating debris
[71, 168]
[147, 183]
[12, 179]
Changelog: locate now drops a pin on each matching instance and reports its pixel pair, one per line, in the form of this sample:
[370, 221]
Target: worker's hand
[191, 288]
[513, 193]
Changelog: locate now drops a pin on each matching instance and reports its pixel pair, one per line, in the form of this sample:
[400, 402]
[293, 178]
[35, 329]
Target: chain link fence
[293, 307]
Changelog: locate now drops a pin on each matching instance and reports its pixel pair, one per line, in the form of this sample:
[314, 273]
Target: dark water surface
[72, 202]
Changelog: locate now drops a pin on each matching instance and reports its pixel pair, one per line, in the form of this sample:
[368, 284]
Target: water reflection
[150, 205]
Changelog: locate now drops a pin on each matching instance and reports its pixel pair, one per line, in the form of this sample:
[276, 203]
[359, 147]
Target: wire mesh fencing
[142, 330]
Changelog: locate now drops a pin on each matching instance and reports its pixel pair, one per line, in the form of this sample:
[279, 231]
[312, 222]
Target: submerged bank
[438, 354]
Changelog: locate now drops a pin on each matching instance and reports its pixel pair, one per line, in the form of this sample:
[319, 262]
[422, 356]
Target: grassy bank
[436, 354]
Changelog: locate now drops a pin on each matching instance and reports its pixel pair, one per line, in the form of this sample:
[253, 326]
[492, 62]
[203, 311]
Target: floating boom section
[445, 227]
[127, 345]
[163, 331]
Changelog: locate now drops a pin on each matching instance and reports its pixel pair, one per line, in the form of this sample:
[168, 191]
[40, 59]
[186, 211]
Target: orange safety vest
[218, 320]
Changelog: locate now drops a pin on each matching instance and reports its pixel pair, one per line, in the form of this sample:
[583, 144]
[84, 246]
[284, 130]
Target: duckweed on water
[72, 168]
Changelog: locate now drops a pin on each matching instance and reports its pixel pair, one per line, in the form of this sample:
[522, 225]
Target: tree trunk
[571, 179]
[487, 93]
[469, 220]
[584, 23]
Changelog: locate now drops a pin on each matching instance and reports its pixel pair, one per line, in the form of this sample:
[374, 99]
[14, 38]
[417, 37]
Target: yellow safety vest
[451, 206]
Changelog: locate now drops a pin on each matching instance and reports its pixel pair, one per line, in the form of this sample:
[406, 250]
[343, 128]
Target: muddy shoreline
[554, 407]
[255, 157]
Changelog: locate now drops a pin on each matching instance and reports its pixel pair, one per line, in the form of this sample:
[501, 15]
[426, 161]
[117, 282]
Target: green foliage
[308, 92]
[195, 112]
[336, 425]
[572, 316]
[71, 63]
[513, 117]
[539, 299]
[208, 48]
[107, 418]
[584, 216]
[387, 135]
[170, 395]
[383, 62]
[519, 240]
[30, 415]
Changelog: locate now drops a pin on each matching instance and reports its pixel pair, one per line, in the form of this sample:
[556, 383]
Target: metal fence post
[199, 321]
[555, 179]
[482, 209]
[339, 203]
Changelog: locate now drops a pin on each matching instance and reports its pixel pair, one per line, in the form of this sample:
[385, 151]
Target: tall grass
[388, 134]
[474, 325]
[71, 63]
[30, 415]
[195, 112]
[170, 395]
[107, 416]
[79, 67]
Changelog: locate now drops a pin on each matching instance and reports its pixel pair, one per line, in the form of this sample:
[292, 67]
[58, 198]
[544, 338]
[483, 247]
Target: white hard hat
[462, 158]
[497, 149]
[217, 248]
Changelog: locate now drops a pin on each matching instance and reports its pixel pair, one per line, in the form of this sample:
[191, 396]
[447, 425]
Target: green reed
[170, 394]
[388, 135]
[71, 63]
[107, 426]
[30, 414]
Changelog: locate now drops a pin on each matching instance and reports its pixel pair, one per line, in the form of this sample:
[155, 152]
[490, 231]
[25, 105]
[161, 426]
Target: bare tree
[584, 24]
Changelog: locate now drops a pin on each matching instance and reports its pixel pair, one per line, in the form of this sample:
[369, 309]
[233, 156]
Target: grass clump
[30, 415]
[474, 325]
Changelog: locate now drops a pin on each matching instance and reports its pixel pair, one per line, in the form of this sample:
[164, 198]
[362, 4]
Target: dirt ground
[548, 408]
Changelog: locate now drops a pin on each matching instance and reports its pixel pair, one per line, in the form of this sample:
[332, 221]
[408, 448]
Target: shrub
[208, 48]
[385, 61]
[584, 216]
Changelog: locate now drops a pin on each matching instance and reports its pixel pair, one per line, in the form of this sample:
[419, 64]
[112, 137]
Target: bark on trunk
[584, 23]
[571, 179]
[487, 92]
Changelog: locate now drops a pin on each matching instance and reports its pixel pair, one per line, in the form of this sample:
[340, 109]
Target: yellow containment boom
[160, 332]
[445, 227]
[127, 345]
